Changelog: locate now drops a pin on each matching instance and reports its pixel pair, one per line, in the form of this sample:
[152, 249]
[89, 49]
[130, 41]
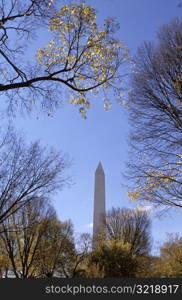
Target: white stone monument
[99, 203]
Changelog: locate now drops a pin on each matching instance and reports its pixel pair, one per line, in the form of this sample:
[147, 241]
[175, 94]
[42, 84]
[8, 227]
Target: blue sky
[103, 135]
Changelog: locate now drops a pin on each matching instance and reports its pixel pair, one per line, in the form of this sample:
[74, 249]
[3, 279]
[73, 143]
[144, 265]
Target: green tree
[55, 249]
[169, 263]
[112, 259]
[81, 56]
[155, 106]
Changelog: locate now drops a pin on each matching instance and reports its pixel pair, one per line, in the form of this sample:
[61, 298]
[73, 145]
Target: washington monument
[99, 202]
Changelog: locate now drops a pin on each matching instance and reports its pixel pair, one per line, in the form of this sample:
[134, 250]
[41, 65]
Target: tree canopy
[27, 172]
[155, 106]
[34, 243]
[113, 259]
[169, 263]
[81, 55]
[129, 226]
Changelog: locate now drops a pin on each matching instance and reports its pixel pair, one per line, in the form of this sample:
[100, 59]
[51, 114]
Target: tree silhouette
[156, 120]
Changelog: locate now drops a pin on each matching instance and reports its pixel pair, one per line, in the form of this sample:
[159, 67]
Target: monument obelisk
[99, 203]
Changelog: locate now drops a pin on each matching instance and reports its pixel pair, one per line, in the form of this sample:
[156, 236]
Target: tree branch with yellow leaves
[81, 56]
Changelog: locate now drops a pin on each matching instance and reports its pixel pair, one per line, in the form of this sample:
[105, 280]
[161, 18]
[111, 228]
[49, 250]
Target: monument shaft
[99, 203]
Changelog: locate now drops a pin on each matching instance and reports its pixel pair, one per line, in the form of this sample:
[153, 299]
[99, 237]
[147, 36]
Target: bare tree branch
[156, 118]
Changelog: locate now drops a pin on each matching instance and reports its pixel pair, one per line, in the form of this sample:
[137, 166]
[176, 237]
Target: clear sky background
[103, 135]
